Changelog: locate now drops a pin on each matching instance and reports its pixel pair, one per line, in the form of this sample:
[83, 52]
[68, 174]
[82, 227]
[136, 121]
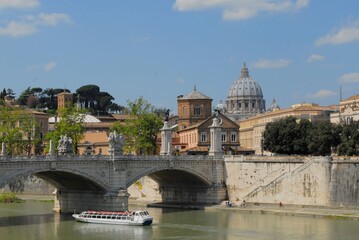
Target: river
[34, 220]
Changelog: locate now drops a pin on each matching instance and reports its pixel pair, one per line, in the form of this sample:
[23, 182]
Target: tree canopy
[141, 129]
[299, 136]
[19, 130]
[70, 123]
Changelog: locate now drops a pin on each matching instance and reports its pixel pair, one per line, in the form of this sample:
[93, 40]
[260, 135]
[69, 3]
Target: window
[224, 137]
[203, 137]
[233, 137]
[197, 110]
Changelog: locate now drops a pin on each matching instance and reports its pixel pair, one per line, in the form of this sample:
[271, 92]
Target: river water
[34, 220]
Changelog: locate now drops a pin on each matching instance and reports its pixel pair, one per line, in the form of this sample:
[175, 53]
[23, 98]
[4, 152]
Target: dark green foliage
[300, 136]
[94, 100]
[3, 94]
[349, 137]
[323, 138]
[281, 136]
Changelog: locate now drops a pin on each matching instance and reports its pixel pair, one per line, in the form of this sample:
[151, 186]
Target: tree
[114, 107]
[10, 93]
[323, 137]
[300, 142]
[279, 136]
[49, 99]
[30, 131]
[19, 130]
[140, 131]
[104, 100]
[349, 139]
[70, 123]
[88, 94]
[3, 94]
[24, 95]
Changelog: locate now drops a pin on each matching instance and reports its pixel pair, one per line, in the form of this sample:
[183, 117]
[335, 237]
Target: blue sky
[297, 50]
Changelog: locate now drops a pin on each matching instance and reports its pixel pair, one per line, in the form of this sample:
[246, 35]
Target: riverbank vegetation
[303, 137]
[10, 198]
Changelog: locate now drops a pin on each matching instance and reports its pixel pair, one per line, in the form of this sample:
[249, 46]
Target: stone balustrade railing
[105, 157]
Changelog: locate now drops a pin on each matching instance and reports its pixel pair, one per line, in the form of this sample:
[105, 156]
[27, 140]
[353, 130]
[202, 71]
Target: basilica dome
[245, 97]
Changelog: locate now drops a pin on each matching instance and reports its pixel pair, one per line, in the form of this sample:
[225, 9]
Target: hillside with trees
[90, 97]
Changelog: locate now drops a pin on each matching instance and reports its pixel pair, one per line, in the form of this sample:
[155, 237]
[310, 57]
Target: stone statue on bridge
[115, 143]
[65, 145]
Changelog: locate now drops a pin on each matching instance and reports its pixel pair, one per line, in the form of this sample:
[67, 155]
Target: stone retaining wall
[321, 181]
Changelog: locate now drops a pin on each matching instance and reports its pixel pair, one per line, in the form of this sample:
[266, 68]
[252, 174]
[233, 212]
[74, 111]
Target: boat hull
[145, 222]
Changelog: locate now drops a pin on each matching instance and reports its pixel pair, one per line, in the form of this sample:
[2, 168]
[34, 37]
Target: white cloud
[321, 94]
[30, 24]
[343, 35]
[241, 9]
[350, 78]
[51, 19]
[315, 58]
[16, 29]
[49, 66]
[276, 63]
[19, 3]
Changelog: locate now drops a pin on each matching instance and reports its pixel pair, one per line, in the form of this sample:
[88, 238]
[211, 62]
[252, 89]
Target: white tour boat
[124, 218]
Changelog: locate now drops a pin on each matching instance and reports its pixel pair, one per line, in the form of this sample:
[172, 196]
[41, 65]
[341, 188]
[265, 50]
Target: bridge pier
[193, 194]
[69, 201]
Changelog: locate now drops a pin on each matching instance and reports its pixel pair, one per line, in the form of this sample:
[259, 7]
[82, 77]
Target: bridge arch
[59, 178]
[178, 173]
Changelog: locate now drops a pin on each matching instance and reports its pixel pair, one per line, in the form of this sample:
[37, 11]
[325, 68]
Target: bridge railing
[106, 157]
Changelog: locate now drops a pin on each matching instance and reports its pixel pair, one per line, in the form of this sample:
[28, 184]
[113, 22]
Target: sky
[297, 50]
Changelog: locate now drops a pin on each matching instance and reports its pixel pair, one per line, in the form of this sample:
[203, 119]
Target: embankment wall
[320, 181]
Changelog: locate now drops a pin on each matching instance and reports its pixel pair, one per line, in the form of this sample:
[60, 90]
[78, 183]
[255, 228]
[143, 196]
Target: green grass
[9, 198]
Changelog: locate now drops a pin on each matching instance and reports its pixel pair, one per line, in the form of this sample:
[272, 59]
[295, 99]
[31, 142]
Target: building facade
[194, 119]
[193, 108]
[64, 99]
[348, 110]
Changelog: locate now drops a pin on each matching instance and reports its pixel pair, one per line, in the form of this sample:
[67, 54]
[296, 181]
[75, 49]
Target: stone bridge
[101, 182]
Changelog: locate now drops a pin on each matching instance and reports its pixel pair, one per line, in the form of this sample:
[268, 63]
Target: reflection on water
[120, 231]
[25, 220]
[18, 220]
